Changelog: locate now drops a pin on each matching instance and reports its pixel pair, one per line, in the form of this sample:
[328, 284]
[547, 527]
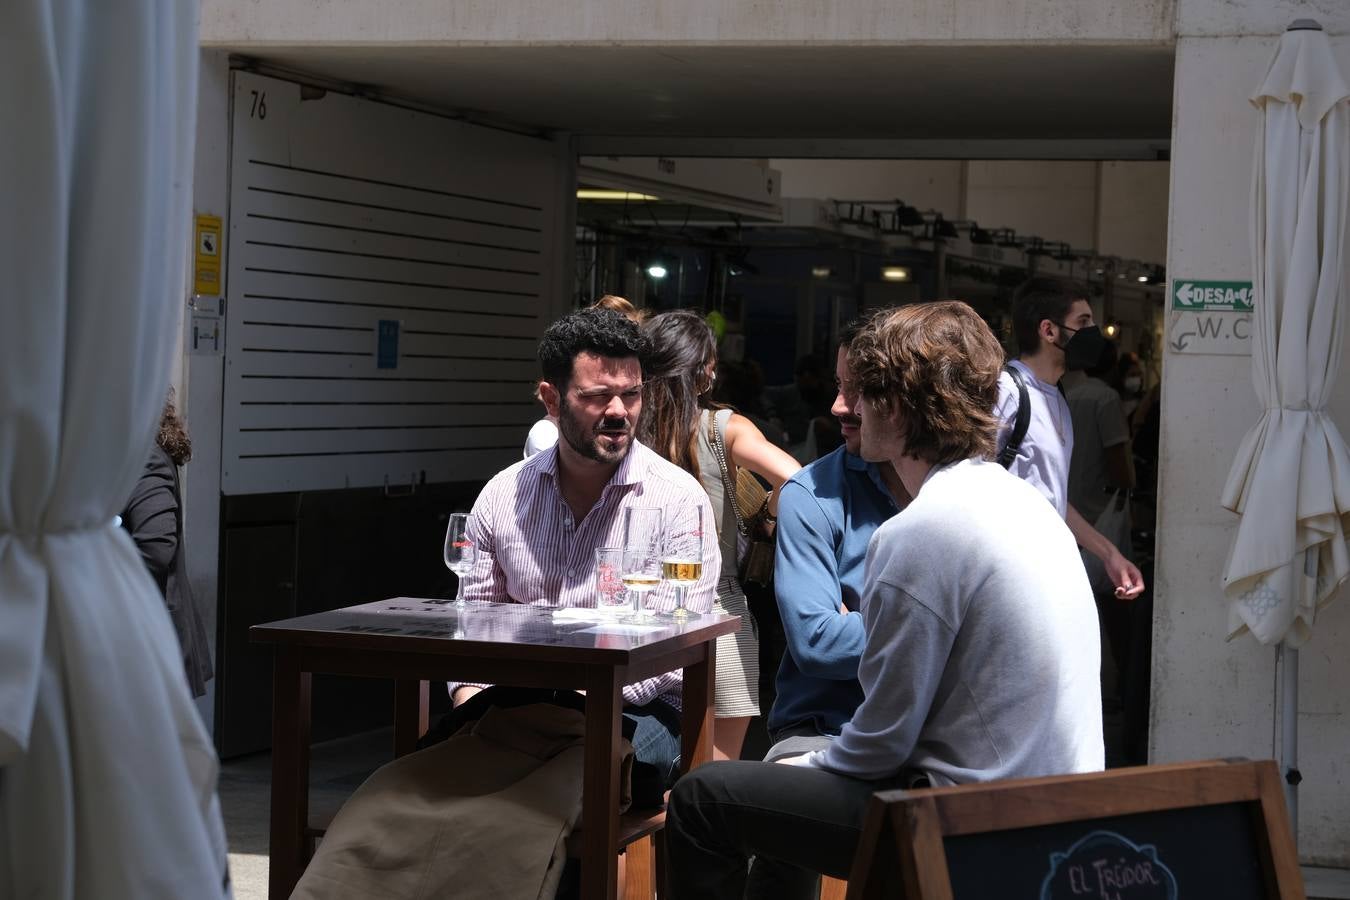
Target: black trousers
[806, 821]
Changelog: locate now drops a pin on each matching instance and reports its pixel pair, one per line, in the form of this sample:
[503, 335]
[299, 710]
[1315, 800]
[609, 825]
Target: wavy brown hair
[173, 437]
[936, 367]
[675, 385]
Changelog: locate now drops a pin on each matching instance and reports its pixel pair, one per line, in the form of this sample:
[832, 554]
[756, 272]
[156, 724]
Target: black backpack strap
[1009, 451]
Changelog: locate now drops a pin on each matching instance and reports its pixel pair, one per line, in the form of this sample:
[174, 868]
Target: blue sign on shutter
[386, 357]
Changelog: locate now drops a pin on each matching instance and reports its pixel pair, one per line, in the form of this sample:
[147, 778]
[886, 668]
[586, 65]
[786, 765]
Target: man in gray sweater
[974, 607]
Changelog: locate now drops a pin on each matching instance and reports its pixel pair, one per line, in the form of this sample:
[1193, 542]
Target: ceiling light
[612, 196]
[1142, 279]
[656, 270]
[820, 272]
[1111, 329]
[895, 273]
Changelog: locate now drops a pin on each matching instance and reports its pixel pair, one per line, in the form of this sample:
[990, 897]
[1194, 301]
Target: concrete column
[1210, 697]
[201, 393]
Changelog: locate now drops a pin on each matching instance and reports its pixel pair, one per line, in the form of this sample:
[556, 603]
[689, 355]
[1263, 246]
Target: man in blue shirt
[826, 515]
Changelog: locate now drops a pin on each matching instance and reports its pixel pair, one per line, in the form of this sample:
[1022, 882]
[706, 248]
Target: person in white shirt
[974, 606]
[1055, 332]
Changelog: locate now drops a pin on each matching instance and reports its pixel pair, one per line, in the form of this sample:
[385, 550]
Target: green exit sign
[1225, 296]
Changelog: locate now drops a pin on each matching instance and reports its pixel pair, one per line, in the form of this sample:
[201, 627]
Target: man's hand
[1127, 578]
[1125, 575]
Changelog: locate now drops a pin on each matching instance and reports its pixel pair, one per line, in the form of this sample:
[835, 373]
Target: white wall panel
[346, 212]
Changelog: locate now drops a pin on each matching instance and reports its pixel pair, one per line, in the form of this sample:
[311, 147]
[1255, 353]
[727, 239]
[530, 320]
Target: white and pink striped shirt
[531, 551]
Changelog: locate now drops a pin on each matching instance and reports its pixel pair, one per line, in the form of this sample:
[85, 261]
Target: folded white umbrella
[107, 775]
[1291, 478]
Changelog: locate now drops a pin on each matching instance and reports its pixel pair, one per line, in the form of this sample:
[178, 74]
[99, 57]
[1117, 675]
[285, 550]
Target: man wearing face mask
[1052, 322]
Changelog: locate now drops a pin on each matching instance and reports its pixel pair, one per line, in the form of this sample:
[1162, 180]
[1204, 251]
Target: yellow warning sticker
[206, 266]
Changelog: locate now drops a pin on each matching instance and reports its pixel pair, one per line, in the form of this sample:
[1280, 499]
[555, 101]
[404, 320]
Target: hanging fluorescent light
[613, 196]
[820, 272]
[657, 271]
[895, 273]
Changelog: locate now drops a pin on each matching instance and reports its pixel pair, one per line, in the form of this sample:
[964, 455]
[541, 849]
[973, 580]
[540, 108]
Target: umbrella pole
[1289, 731]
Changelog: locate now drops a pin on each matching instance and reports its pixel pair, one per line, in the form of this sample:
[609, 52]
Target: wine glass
[682, 561]
[641, 576]
[460, 551]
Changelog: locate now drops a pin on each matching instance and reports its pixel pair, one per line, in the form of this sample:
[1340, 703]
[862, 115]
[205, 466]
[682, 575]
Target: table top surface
[497, 629]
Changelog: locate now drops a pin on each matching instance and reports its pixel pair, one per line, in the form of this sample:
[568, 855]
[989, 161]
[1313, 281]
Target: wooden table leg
[412, 705]
[696, 727]
[290, 773]
[600, 784]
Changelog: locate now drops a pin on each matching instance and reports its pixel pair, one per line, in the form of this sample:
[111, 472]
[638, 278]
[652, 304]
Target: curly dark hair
[676, 387]
[935, 365]
[1036, 300]
[599, 331]
[173, 437]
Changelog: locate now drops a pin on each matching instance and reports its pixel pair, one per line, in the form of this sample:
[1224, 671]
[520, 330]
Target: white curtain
[1291, 478]
[107, 776]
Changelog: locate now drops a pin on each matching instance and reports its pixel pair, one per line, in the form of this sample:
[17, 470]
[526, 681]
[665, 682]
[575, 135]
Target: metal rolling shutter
[345, 214]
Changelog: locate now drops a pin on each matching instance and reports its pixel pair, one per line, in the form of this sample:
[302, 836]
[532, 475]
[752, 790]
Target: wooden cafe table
[413, 642]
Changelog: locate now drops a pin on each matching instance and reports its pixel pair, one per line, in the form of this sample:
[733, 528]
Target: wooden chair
[1218, 829]
[833, 888]
[639, 840]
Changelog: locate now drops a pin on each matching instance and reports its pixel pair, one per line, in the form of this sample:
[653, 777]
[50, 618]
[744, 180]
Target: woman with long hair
[681, 422]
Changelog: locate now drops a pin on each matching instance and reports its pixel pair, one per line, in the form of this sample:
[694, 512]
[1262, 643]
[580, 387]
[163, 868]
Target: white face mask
[1133, 383]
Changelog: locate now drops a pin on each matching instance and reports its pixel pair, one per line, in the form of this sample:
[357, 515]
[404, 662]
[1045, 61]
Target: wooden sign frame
[902, 854]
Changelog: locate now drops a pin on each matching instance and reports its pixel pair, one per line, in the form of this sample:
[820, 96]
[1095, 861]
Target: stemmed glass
[460, 551]
[641, 554]
[682, 561]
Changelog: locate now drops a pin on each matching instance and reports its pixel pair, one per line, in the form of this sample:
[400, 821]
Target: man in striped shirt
[538, 523]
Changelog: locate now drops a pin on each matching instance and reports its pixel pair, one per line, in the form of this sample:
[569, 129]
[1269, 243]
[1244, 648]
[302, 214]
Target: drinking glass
[641, 575]
[460, 551]
[682, 561]
[642, 527]
[609, 582]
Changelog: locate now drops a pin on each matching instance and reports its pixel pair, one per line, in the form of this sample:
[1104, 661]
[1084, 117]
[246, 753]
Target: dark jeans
[724, 813]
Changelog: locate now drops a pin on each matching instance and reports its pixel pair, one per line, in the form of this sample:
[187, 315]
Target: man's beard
[588, 443]
[851, 444]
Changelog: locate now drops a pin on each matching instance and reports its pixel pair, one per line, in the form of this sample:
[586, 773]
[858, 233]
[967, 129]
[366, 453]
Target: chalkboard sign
[1191, 830]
